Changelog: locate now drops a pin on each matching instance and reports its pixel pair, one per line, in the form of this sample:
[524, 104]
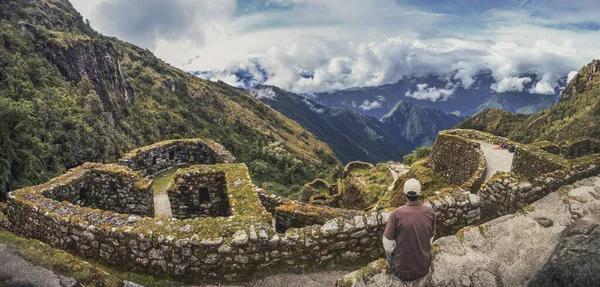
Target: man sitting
[409, 234]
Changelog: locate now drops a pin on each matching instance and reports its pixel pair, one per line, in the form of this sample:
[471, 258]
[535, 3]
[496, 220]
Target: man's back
[412, 227]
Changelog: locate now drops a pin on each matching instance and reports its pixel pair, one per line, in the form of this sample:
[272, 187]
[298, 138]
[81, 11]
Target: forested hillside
[577, 114]
[351, 135]
[70, 95]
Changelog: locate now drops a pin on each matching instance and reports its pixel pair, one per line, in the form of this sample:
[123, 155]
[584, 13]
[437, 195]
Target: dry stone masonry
[152, 159]
[199, 192]
[460, 160]
[226, 227]
[108, 187]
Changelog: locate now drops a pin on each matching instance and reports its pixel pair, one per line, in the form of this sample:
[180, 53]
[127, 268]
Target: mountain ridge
[71, 95]
[418, 124]
[577, 114]
[351, 135]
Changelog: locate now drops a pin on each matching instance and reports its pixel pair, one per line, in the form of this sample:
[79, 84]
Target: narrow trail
[162, 205]
[497, 160]
[397, 171]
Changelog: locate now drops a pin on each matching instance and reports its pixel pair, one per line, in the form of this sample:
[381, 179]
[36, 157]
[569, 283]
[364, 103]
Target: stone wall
[294, 215]
[581, 147]
[356, 164]
[270, 200]
[459, 160]
[530, 162]
[199, 192]
[168, 154]
[504, 194]
[455, 210]
[318, 192]
[108, 187]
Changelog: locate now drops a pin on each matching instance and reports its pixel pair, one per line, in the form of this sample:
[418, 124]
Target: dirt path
[397, 171]
[497, 160]
[162, 205]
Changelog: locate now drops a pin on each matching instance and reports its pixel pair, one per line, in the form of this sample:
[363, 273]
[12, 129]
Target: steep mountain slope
[419, 125]
[577, 114]
[351, 135]
[69, 95]
[377, 101]
[494, 121]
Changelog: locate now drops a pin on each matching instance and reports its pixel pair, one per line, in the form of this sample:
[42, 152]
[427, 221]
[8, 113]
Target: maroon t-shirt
[412, 227]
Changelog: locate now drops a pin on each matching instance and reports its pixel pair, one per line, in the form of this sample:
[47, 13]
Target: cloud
[510, 84]
[571, 76]
[146, 22]
[312, 107]
[424, 92]
[370, 105]
[310, 46]
[263, 93]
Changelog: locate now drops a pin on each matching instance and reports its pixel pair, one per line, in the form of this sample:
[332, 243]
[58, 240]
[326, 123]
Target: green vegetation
[372, 184]
[417, 155]
[430, 182]
[59, 261]
[419, 125]
[63, 102]
[576, 115]
[292, 192]
[161, 181]
[352, 136]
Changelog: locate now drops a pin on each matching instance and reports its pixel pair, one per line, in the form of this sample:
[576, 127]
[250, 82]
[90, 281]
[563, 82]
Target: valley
[119, 169]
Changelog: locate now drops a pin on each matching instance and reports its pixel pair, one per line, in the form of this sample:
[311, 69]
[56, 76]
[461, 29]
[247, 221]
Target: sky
[309, 46]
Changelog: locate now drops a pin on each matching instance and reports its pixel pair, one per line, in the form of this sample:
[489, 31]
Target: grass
[59, 261]
[87, 273]
[376, 182]
[161, 181]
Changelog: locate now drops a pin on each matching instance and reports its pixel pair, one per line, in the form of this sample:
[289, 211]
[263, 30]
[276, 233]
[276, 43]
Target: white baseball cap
[412, 185]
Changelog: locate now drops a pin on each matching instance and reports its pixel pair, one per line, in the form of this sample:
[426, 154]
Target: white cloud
[370, 105]
[353, 43]
[510, 84]
[424, 92]
[263, 93]
[312, 107]
[571, 76]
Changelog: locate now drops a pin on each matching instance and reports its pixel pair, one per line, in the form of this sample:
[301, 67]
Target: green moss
[59, 261]
[483, 229]
[162, 181]
[527, 209]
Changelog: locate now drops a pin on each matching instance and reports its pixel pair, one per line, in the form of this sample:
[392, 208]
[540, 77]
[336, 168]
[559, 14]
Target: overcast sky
[323, 45]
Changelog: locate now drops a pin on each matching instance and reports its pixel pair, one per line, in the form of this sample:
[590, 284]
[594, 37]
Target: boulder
[576, 259]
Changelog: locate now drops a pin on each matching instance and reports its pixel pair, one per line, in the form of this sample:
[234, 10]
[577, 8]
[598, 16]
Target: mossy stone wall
[200, 192]
[356, 164]
[168, 154]
[530, 162]
[270, 200]
[108, 187]
[295, 215]
[458, 160]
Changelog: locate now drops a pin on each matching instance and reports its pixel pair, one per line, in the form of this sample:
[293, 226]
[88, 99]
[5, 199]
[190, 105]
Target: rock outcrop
[576, 259]
[510, 250]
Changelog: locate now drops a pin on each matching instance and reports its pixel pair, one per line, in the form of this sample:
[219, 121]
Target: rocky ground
[16, 271]
[509, 251]
[497, 159]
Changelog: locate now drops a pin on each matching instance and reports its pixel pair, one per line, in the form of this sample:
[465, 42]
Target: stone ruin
[543, 175]
[226, 229]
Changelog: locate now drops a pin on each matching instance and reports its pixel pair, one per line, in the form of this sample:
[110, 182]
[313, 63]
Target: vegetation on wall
[576, 115]
[69, 95]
